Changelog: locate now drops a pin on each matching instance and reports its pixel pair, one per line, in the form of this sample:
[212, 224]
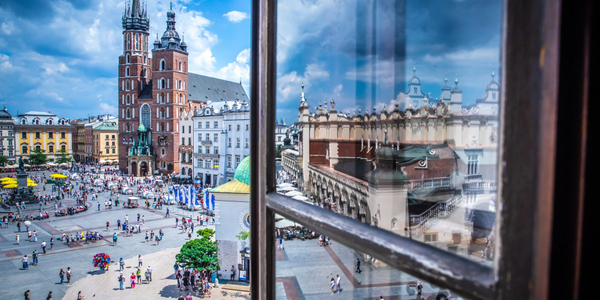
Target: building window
[279, 138]
[216, 150]
[163, 65]
[216, 137]
[229, 142]
[24, 149]
[113, 136]
[237, 160]
[37, 135]
[200, 163]
[238, 127]
[113, 151]
[237, 145]
[183, 141]
[190, 141]
[207, 137]
[200, 149]
[229, 127]
[199, 137]
[207, 124]
[146, 115]
[216, 125]
[127, 72]
[247, 127]
[247, 143]
[50, 148]
[63, 135]
[207, 164]
[229, 161]
[127, 59]
[472, 162]
[106, 143]
[199, 125]
[23, 135]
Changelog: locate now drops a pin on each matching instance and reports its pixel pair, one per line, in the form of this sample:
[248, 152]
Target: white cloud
[236, 16]
[8, 27]
[51, 69]
[289, 85]
[237, 70]
[465, 56]
[109, 109]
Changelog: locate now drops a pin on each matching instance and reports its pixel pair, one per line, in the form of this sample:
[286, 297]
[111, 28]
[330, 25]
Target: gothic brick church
[154, 92]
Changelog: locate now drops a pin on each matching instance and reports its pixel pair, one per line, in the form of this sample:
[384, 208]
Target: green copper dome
[242, 172]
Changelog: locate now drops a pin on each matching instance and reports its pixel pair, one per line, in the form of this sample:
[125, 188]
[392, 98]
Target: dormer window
[23, 121]
[50, 122]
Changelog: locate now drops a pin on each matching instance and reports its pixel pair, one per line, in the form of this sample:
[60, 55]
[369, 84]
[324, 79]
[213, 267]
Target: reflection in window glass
[394, 109]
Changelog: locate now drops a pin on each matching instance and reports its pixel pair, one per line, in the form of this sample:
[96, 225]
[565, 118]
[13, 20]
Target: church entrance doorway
[143, 169]
[134, 169]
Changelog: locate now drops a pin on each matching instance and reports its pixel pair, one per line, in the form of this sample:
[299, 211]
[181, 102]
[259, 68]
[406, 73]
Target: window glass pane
[387, 112]
[306, 264]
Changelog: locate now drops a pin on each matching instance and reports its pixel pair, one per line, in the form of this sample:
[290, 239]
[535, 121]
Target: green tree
[63, 157]
[278, 151]
[3, 160]
[38, 157]
[243, 235]
[200, 253]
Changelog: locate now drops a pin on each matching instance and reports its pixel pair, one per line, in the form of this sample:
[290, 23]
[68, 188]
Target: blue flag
[212, 201]
[194, 196]
[180, 194]
[175, 193]
[206, 199]
[186, 195]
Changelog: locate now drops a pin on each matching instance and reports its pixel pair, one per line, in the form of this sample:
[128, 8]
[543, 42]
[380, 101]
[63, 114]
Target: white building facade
[221, 133]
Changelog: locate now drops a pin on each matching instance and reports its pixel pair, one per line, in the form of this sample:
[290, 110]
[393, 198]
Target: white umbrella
[285, 184]
[27, 223]
[300, 198]
[293, 193]
[288, 188]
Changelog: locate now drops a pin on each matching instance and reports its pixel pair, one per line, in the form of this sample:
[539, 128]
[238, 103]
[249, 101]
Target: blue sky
[62, 55]
[361, 54]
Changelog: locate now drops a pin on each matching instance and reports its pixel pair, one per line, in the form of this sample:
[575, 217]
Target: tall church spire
[134, 18]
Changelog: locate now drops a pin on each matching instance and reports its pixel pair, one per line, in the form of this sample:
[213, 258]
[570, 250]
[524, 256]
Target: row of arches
[139, 43]
[340, 198]
[181, 65]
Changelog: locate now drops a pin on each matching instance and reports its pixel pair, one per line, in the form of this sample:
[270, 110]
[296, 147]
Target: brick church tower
[135, 71]
[170, 93]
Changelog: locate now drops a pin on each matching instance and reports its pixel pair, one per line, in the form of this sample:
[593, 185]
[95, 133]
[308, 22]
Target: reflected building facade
[411, 171]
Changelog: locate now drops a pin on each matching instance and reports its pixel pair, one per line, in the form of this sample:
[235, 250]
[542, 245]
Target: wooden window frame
[529, 157]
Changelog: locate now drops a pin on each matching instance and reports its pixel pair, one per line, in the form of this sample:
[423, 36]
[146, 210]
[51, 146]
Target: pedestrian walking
[419, 287]
[51, 243]
[27, 295]
[332, 285]
[17, 238]
[338, 283]
[114, 239]
[34, 257]
[107, 224]
[147, 236]
[139, 275]
[121, 264]
[79, 296]
[121, 280]
[150, 272]
[139, 261]
[25, 261]
[61, 274]
[49, 297]
[44, 246]
[69, 274]
[167, 214]
[357, 266]
[19, 226]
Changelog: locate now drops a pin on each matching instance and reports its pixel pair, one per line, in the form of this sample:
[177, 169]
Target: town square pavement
[44, 277]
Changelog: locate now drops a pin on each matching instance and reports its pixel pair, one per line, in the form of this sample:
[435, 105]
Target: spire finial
[446, 79]
[456, 80]
[171, 7]
[493, 74]
[303, 86]
[414, 69]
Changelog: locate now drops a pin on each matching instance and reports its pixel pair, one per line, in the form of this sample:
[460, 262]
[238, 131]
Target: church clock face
[245, 220]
